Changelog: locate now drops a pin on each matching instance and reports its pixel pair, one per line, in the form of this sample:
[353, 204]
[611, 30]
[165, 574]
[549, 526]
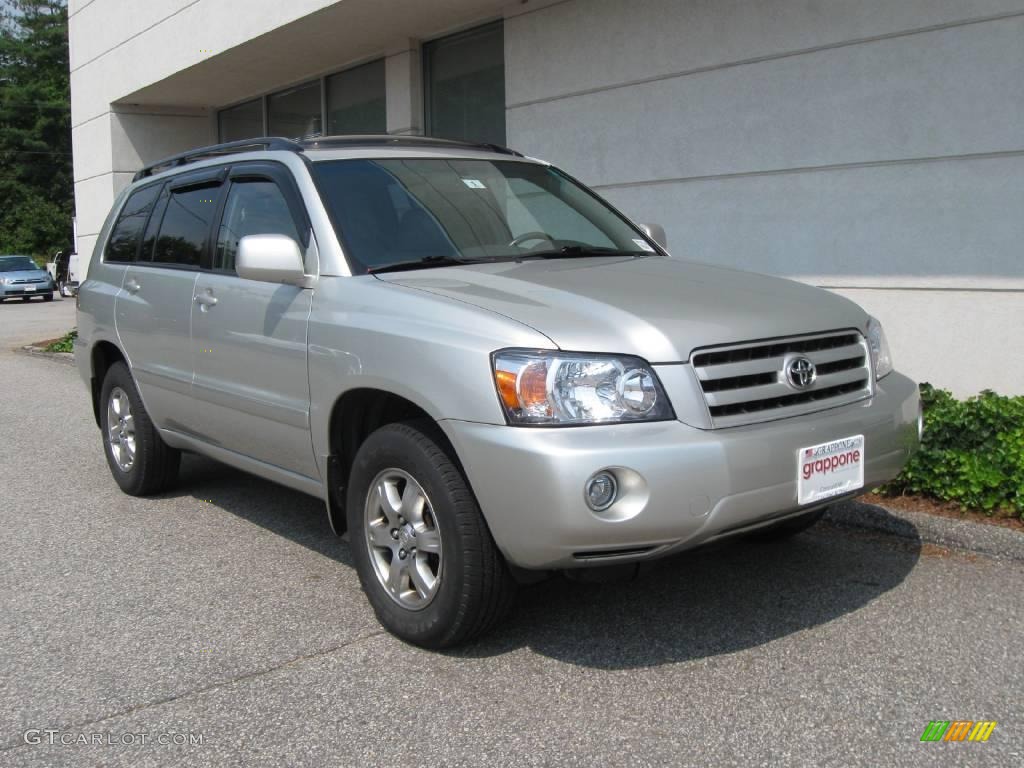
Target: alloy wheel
[403, 539]
[121, 429]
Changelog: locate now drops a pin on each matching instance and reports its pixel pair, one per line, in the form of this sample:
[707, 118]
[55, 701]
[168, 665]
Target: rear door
[154, 306]
[249, 337]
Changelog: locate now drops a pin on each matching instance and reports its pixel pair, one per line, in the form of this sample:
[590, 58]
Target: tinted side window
[186, 226]
[124, 239]
[253, 207]
[155, 219]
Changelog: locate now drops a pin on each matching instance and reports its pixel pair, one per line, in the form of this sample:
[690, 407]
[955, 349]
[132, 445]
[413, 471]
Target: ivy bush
[972, 452]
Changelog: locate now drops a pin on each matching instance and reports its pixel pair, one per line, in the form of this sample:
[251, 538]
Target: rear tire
[404, 490]
[140, 461]
[788, 528]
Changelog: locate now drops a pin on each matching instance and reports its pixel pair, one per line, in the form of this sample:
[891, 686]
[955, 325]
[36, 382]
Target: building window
[296, 113]
[356, 102]
[242, 122]
[465, 85]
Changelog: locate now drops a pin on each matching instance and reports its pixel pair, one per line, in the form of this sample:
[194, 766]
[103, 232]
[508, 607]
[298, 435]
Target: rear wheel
[424, 554]
[140, 461]
[790, 527]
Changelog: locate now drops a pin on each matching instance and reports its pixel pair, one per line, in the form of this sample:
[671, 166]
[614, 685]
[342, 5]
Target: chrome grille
[29, 281]
[748, 383]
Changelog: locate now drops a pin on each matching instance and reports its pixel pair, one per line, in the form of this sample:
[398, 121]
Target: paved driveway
[23, 322]
[226, 611]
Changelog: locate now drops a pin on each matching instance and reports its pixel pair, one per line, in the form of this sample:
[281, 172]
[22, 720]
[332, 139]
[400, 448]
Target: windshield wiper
[579, 252]
[426, 263]
[565, 252]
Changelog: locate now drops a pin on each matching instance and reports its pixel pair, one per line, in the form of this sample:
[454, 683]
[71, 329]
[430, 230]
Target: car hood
[658, 308]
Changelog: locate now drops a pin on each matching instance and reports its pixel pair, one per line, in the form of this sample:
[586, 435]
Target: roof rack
[340, 142]
[275, 143]
[216, 150]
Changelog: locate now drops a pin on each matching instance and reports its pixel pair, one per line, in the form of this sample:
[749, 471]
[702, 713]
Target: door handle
[132, 285]
[205, 300]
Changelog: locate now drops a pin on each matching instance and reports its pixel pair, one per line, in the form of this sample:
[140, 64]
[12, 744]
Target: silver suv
[483, 369]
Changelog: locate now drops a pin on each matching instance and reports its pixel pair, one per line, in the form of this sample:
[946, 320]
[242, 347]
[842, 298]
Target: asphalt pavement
[226, 614]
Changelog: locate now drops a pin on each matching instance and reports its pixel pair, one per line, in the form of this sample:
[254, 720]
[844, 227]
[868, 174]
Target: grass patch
[64, 344]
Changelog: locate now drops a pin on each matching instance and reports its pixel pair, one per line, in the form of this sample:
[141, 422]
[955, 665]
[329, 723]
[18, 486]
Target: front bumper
[17, 291]
[683, 486]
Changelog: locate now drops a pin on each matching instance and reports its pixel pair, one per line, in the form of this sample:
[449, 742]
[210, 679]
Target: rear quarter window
[124, 239]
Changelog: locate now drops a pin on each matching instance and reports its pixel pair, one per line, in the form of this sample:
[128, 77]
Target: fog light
[601, 491]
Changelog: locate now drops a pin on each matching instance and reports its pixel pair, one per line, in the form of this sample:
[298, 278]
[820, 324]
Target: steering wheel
[528, 236]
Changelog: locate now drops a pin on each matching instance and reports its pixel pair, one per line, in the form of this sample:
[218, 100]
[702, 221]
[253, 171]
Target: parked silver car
[481, 367]
[20, 278]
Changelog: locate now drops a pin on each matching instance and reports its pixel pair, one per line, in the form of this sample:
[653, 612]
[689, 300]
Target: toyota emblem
[801, 373]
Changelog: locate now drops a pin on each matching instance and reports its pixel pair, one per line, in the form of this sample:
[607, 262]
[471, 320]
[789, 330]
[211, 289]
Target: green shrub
[64, 344]
[972, 452]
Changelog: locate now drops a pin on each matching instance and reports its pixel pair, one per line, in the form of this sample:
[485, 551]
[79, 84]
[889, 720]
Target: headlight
[6, 280]
[567, 388]
[881, 358]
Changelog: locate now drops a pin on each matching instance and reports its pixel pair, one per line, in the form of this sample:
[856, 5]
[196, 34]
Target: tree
[36, 182]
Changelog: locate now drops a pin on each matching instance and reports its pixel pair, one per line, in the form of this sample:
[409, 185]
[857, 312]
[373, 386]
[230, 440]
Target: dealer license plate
[830, 469]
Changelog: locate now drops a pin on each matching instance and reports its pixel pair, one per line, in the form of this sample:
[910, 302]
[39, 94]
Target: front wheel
[424, 554]
[140, 461]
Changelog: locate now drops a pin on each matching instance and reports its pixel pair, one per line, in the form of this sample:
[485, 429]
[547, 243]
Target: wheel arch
[355, 415]
[102, 355]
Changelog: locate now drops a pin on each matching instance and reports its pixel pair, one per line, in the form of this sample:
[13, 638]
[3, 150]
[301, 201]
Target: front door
[249, 338]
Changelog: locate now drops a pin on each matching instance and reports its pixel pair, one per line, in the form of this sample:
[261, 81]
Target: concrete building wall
[147, 77]
[871, 147]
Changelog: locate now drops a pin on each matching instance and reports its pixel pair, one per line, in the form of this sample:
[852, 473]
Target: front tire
[48, 297]
[140, 461]
[424, 554]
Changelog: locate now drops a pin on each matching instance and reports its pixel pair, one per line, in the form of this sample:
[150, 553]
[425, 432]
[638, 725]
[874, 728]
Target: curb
[990, 540]
[64, 358]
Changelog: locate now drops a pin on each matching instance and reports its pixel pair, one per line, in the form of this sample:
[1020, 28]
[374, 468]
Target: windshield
[398, 211]
[16, 264]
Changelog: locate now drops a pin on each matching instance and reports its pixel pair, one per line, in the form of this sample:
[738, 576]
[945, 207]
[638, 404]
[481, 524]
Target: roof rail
[229, 148]
[371, 140]
[273, 143]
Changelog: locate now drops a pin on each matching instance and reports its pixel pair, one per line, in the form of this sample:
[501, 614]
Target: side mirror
[656, 232]
[270, 259]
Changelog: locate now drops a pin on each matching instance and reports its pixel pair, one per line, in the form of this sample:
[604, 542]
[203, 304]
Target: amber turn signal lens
[507, 388]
